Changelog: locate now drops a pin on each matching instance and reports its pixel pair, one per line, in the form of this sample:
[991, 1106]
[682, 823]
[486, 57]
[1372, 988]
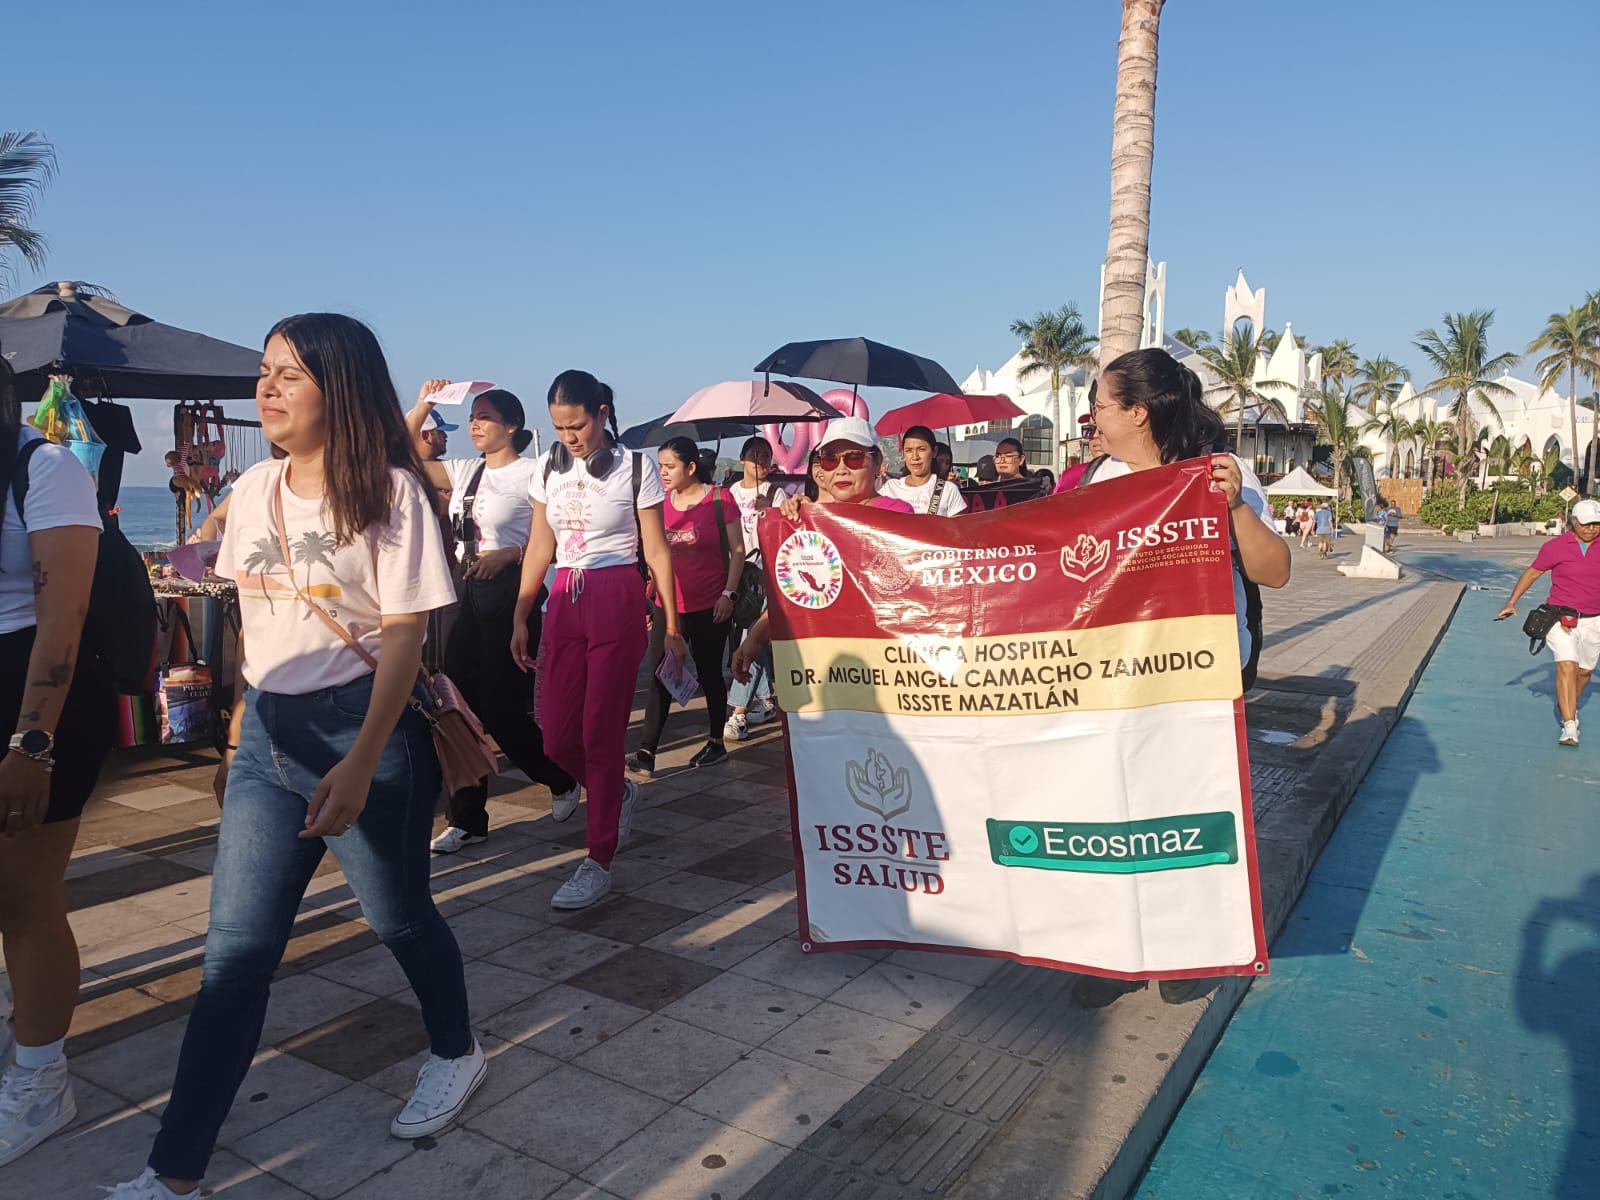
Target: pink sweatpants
[593, 642]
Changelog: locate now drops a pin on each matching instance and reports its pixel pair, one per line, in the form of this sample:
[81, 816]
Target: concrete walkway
[673, 1042]
[1429, 1028]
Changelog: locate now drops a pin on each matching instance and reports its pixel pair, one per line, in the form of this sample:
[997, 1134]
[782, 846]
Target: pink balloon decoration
[790, 457]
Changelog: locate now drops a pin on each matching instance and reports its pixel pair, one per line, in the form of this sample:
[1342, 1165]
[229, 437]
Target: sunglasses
[1089, 430]
[853, 459]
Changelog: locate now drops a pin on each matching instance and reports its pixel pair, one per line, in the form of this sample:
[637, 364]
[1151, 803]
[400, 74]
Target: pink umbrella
[754, 400]
[945, 410]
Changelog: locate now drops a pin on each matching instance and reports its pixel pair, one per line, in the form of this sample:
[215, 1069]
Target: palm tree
[1338, 362]
[1333, 412]
[1571, 343]
[1269, 341]
[1379, 381]
[1428, 433]
[1192, 338]
[261, 560]
[314, 549]
[1550, 468]
[1234, 365]
[1133, 139]
[1055, 342]
[1461, 358]
[27, 163]
[1524, 465]
[1462, 448]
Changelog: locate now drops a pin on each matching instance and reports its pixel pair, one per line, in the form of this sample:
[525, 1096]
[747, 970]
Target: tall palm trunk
[1238, 428]
[1463, 436]
[1133, 135]
[1056, 440]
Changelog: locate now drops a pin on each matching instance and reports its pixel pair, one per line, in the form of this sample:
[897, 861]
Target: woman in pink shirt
[705, 535]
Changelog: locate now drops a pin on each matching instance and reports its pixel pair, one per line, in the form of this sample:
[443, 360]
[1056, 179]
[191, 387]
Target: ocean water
[150, 516]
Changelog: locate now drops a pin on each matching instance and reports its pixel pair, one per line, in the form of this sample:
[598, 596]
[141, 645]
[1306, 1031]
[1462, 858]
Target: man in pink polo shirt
[1573, 561]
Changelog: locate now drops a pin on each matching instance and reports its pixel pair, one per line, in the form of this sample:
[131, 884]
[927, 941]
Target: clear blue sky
[662, 193]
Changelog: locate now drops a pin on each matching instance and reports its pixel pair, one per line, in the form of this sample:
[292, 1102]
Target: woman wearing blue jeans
[325, 752]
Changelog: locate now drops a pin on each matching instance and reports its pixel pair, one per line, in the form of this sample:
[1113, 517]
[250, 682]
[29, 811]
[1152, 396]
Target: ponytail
[1182, 424]
[521, 440]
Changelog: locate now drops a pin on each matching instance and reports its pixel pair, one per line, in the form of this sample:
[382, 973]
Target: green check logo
[1023, 839]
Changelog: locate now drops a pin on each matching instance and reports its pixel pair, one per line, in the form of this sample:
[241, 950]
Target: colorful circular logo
[809, 570]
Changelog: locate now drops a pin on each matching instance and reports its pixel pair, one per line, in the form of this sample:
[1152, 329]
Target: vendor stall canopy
[112, 351]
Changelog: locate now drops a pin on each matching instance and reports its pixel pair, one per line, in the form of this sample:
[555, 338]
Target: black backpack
[1252, 593]
[120, 628]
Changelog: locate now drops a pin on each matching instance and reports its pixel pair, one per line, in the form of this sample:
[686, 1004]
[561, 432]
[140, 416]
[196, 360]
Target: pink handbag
[465, 758]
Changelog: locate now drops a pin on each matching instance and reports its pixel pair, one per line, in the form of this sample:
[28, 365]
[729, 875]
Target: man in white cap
[431, 440]
[1574, 565]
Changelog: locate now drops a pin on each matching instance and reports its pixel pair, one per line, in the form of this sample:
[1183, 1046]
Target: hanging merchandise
[60, 417]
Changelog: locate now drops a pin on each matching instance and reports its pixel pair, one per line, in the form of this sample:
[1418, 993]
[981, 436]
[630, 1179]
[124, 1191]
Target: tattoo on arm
[40, 577]
[58, 675]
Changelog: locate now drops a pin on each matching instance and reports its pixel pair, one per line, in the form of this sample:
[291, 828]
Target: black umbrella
[860, 362]
[113, 351]
[662, 429]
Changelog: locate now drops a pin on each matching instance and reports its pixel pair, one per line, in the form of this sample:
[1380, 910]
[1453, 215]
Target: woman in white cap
[846, 472]
[1574, 566]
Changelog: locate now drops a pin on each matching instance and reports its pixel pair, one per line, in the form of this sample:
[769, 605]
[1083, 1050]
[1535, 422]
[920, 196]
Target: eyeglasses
[853, 459]
[1089, 430]
[1007, 456]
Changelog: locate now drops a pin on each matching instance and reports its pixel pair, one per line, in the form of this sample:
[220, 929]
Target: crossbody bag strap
[938, 491]
[469, 519]
[722, 526]
[288, 564]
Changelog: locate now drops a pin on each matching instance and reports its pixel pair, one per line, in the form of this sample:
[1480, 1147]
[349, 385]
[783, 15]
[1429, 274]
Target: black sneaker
[711, 752]
[643, 763]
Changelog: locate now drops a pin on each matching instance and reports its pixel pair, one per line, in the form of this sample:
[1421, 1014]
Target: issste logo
[809, 570]
[884, 852]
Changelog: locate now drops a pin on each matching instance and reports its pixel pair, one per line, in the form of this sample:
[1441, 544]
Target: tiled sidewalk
[671, 1042]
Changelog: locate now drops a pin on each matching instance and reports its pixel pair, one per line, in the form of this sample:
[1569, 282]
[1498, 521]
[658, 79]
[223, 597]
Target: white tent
[1299, 482]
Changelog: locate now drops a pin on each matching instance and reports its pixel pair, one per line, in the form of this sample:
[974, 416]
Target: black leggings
[84, 732]
[707, 640]
[478, 660]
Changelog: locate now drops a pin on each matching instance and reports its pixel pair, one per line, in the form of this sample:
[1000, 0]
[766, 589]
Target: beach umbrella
[946, 410]
[859, 362]
[755, 400]
[664, 429]
[111, 350]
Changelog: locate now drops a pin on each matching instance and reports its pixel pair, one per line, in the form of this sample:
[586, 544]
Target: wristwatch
[727, 593]
[33, 743]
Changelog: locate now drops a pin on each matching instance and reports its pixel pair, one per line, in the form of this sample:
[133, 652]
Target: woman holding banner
[1149, 410]
[845, 469]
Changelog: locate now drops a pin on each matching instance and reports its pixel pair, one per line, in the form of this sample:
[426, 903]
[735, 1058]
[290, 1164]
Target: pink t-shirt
[1574, 572]
[890, 503]
[699, 570]
[1070, 477]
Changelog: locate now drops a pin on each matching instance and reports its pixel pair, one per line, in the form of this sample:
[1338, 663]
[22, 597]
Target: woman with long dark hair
[1150, 410]
[56, 712]
[596, 508]
[490, 512]
[338, 557]
[706, 539]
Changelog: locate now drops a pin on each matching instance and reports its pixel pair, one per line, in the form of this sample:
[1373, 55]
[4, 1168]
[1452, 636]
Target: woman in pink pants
[594, 503]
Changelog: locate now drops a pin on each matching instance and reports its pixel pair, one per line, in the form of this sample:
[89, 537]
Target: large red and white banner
[1021, 733]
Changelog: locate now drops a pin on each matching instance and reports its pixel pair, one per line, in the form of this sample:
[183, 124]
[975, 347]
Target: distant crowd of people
[549, 582]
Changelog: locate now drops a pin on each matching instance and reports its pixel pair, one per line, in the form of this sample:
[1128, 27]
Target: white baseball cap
[1586, 512]
[854, 430]
[432, 422]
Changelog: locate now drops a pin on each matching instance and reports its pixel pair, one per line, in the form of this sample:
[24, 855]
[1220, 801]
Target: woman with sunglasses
[846, 471]
[596, 505]
[1096, 446]
[490, 513]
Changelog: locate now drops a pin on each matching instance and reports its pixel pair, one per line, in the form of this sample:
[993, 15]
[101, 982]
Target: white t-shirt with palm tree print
[394, 568]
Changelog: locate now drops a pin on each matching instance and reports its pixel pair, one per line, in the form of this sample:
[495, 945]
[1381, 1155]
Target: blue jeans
[288, 744]
[760, 686]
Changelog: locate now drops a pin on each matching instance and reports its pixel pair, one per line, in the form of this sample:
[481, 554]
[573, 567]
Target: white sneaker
[33, 1105]
[444, 1085]
[452, 839]
[1569, 733]
[630, 798]
[564, 804]
[737, 728]
[762, 711]
[146, 1187]
[588, 885]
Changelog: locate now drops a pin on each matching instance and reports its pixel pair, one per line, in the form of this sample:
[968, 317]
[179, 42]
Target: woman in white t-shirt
[56, 712]
[490, 513]
[1150, 410]
[326, 751]
[921, 488]
[594, 503]
[751, 701]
